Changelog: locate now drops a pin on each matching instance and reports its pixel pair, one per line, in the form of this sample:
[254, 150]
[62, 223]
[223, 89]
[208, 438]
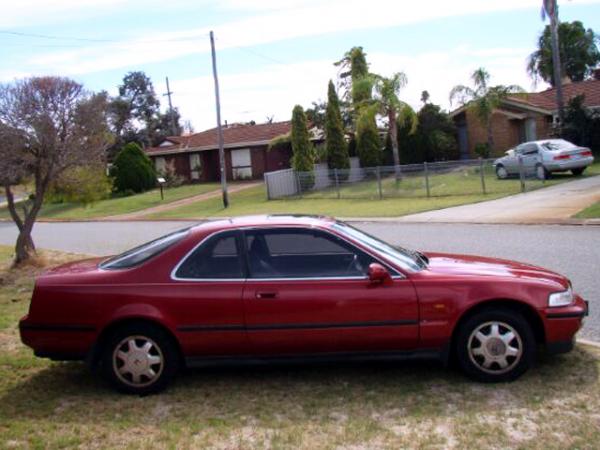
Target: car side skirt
[243, 360]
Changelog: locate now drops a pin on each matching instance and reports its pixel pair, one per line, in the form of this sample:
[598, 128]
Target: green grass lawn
[591, 212]
[362, 199]
[122, 205]
[51, 405]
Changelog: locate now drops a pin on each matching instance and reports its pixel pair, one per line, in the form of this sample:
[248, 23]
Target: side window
[300, 253]
[530, 149]
[217, 258]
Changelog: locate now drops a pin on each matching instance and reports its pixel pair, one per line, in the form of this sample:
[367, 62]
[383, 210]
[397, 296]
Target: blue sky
[273, 54]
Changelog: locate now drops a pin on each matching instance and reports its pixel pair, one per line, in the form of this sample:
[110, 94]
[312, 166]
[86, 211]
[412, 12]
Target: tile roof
[547, 99]
[233, 135]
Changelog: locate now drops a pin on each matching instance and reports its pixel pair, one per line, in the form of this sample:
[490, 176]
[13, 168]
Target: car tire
[501, 172]
[541, 172]
[577, 172]
[140, 359]
[495, 345]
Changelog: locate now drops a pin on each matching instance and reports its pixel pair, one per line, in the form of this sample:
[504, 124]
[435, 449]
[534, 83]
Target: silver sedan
[541, 158]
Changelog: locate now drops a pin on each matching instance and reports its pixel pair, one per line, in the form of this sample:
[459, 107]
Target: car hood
[468, 265]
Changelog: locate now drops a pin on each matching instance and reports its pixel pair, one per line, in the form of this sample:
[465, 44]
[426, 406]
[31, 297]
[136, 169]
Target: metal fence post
[482, 176]
[379, 183]
[426, 178]
[337, 184]
[522, 173]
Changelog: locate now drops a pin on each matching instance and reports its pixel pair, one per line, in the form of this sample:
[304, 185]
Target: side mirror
[378, 274]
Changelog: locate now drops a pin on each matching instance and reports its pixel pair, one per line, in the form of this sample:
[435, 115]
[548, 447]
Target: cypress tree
[335, 144]
[303, 155]
[133, 170]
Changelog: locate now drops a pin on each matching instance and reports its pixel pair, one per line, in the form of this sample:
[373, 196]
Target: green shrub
[368, 144]
[133, 170]
[336, 146]
[482, 150]
[84, 184]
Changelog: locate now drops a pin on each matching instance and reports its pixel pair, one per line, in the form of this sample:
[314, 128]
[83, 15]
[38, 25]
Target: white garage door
[241, 164]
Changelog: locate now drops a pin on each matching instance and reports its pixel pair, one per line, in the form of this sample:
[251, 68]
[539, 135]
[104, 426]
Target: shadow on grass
[68, 393]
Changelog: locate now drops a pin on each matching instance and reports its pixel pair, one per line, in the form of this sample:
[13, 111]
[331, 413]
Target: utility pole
[550, 8]
[171, 110]
[219, 129]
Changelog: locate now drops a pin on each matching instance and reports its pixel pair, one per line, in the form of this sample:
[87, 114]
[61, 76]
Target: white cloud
[272, 22]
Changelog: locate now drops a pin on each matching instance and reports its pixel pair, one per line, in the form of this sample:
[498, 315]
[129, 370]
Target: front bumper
[561, 324]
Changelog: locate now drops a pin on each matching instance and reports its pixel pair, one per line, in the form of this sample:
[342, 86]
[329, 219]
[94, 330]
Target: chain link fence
[449, 178]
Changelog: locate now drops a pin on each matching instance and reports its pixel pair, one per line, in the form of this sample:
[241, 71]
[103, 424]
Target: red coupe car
[284, 288]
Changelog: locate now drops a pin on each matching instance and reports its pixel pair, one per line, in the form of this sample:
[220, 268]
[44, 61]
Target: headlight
[561, 298]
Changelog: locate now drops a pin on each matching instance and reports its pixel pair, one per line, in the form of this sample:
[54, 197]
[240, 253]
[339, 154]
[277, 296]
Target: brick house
[196, 156]
[521, 118]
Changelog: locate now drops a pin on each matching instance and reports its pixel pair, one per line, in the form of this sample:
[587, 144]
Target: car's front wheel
[495, 345]
[501, 172]
[139, 359]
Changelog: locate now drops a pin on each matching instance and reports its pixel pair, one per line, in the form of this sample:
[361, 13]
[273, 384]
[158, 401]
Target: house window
[195, 166]
[241, 164]
[160, 164]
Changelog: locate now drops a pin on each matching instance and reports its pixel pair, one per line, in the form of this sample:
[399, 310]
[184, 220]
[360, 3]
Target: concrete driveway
[554, 204]
[571, 250]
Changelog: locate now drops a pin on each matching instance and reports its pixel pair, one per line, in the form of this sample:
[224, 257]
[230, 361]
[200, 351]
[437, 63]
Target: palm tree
[483, 99]
[390, 105]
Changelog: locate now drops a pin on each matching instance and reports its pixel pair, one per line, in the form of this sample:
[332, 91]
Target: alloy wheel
[138, 361]
[495, 347]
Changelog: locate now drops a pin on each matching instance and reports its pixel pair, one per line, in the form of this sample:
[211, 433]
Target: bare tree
[47, 125]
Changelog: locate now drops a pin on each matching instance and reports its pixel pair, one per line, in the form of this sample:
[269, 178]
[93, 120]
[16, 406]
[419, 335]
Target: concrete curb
[588, 342]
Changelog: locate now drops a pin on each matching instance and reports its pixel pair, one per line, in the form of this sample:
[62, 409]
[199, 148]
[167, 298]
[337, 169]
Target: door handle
[263, 295]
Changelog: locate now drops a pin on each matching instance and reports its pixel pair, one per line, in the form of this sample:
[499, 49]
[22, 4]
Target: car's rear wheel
[140, 359]
[495, 345]
[577, 172]
[541, 172]
[501, 172]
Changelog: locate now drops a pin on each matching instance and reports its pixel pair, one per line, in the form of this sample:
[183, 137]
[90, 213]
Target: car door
[307, 292]
[530, 158]
[206, 297]
[511, 163]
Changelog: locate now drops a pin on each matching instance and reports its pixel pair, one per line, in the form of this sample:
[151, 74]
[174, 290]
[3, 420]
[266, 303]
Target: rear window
[558, 144]
[144, 252]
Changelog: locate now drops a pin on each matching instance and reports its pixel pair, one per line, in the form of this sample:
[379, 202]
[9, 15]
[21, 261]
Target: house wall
[507, 133]
[262, 161]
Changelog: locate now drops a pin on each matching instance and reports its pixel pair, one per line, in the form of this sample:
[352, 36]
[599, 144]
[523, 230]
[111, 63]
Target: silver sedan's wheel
[501, 172]
[495, 347]
[137, 361]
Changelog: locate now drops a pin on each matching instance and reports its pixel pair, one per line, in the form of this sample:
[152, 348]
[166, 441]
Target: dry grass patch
[357, 406]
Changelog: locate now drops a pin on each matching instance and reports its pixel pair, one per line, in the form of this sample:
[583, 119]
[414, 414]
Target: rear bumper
[561, 325]
[569, 164]
[57, 341]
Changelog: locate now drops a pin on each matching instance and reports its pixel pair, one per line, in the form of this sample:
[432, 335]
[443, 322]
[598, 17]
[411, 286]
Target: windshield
[558, 144]
[399, 255]
[144, 252]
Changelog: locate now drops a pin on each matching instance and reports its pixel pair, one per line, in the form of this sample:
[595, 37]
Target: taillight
[559, 157]
[586, 153]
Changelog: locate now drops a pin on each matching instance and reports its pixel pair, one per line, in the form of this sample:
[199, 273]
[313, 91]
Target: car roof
[264, 220]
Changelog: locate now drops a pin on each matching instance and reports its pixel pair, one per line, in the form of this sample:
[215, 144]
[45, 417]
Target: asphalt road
[571, 250]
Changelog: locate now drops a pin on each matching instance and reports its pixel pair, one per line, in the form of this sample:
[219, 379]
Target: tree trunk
[490, 138]
[24, 247]
[393, 129]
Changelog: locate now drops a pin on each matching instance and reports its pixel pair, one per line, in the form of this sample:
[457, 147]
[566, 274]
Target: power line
[94, 40]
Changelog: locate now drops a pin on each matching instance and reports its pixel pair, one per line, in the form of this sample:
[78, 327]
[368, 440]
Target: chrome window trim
[396, 275]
